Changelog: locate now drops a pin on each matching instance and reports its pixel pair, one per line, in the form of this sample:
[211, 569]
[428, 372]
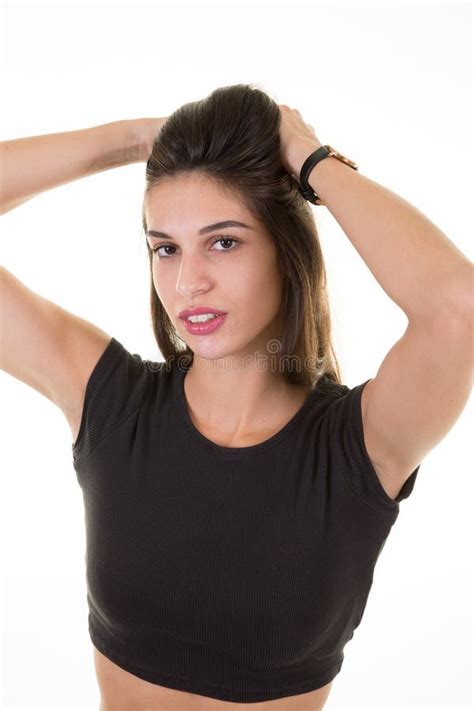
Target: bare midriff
[122, 691]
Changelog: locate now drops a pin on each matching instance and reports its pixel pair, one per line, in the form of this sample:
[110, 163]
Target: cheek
[264, 287]
[162, 282]
[258, 294]
[165, 296]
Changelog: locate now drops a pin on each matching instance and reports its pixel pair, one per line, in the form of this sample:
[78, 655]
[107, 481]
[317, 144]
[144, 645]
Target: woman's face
[191, 269]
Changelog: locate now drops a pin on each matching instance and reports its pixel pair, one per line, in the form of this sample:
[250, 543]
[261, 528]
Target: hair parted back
[231, 137]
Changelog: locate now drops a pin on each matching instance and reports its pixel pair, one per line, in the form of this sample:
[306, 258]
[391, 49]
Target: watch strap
[322, 152]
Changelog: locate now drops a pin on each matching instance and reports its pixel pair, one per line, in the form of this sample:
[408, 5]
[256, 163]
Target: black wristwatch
[323, 152]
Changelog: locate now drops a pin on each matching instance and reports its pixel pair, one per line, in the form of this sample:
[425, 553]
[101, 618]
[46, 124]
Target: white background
[387, 84]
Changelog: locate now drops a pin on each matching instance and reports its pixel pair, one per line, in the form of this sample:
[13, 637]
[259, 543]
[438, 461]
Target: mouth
[200, 328]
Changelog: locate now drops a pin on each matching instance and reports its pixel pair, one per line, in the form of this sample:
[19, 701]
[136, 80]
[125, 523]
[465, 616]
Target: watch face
[339, 156]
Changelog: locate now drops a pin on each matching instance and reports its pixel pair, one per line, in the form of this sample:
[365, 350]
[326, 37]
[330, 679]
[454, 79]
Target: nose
[192, 277]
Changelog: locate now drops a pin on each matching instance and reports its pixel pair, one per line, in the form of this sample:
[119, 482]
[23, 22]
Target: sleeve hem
[109, 355]
[378, 499]
[386, 502]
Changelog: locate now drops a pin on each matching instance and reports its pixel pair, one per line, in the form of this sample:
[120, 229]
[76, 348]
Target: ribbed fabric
[234, 573]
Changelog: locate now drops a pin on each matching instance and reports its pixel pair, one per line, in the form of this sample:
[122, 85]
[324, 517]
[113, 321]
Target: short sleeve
[115, 389]
[351, 456]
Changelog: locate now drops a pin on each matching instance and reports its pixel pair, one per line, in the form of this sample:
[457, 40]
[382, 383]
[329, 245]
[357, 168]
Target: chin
[216, 346]
[210, 351]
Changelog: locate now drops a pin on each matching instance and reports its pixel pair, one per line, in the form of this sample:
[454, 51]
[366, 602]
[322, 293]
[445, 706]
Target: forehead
[191, 202]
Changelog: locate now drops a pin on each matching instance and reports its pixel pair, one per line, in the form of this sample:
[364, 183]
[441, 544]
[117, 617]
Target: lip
[199, 310]
[202, 329]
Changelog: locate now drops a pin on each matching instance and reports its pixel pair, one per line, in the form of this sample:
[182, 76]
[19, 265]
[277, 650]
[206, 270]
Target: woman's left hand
[297, 140]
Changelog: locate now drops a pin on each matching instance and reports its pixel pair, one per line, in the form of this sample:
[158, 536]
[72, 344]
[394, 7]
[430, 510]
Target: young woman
[237, 494]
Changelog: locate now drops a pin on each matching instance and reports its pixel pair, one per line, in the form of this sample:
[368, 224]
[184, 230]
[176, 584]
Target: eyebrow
[204, 230]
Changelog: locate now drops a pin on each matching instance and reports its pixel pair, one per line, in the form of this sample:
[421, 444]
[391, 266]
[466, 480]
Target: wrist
[301, 153]
[134, 136]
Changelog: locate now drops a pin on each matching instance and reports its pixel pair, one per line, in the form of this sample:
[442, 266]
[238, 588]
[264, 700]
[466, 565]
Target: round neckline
[234, 451]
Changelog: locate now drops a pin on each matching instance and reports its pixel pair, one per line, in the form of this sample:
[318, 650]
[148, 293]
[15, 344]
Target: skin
[232, 393]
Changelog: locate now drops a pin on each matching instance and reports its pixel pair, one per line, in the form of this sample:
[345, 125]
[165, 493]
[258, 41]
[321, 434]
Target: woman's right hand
[148, 129]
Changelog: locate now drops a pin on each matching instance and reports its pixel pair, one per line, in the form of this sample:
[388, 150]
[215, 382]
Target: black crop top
[234, 573]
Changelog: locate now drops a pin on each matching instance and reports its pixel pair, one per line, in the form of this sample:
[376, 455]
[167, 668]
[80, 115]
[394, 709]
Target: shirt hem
[216, 691]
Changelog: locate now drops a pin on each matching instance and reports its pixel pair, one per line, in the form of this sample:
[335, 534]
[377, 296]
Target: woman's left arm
[417, 266]
[425, 380]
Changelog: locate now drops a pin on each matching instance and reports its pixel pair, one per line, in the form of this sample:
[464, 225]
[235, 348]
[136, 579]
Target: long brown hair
[231, 137]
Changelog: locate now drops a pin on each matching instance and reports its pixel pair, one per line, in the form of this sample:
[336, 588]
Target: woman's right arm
[29, 166]
[42, 344]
